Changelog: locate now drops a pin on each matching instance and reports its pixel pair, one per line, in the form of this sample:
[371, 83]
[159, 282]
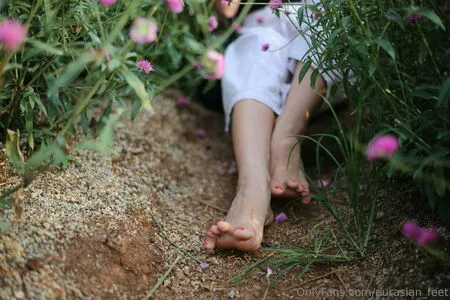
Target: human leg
[288, 179]
[252, 125]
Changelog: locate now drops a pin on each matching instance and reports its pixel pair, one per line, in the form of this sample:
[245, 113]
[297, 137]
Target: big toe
[278, 190]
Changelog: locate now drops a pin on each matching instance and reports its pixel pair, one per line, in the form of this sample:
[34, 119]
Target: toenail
[209, 231]
[205, 244]
[278, 187]
[240, 228]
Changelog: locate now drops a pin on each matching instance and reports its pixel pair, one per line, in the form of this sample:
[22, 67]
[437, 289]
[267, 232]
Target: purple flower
[201, 133]
[225, 2]
[281, 217]
[265, 47]
[413, 18]
[183, 101]
[445, 10]
[411, 230]
[427, 237]
[382, 146]
[269, 272]
[275, 4]
[213, 24]
[144, 66]
[198, 65]
[203, 266]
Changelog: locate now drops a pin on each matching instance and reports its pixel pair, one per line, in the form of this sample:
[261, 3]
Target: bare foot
[287, 180]
[244, 224]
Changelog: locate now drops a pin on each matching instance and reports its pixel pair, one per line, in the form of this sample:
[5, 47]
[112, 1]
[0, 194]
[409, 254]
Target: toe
[242, 233]
[211, 234]
[215, 230]
[292, 184]
[301, 188]
[210, 243]
[223, 226]
[277, 190]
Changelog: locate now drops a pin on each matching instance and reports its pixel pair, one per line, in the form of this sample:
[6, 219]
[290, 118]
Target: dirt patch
[122, 263]
[111, 227]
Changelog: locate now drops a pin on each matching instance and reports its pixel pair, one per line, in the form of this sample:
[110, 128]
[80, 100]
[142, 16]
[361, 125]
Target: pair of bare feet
[250, 210]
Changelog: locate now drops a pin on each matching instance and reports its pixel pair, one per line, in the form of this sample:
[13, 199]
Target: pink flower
[107, 2]
[423, 237]
[144, 66]
[237, 27]
[175, 6]
[275, 4]
[201, 133]
[203, 266]
[226, 2]
[216, 62]
[427, 237]
[259, 19]
[143, 31]
[213, 24]
[265, 47]
[12, 34]
[182, 101]
[411, 230]
[281, 217]
[382, 146]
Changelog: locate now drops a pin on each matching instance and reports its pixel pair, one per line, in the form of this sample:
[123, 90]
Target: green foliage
[78, 64]
[394, 70]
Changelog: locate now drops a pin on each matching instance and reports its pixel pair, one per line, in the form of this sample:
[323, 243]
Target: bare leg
[288, 180]
[252, 125]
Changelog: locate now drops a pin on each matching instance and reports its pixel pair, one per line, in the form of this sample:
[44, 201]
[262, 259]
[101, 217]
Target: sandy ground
[124, 226]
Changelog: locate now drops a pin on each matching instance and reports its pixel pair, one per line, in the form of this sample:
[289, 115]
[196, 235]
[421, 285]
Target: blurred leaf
[387, 46]
[431, 16]
[304, 69]
[300, 17]
[13, 152]
[439, 180]
[71, 72]
[444, 93]
[105, 141]
[45, 48]
[138, 86]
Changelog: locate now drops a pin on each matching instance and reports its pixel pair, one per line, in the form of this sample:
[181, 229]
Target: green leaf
[300, 16]
[444, 93]
[430, 15]
[304, 69]
[439, 180]
[71, 72]
[46, 48]
[387, 46]
[13, 152]
[138, 86]
[105, 142]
